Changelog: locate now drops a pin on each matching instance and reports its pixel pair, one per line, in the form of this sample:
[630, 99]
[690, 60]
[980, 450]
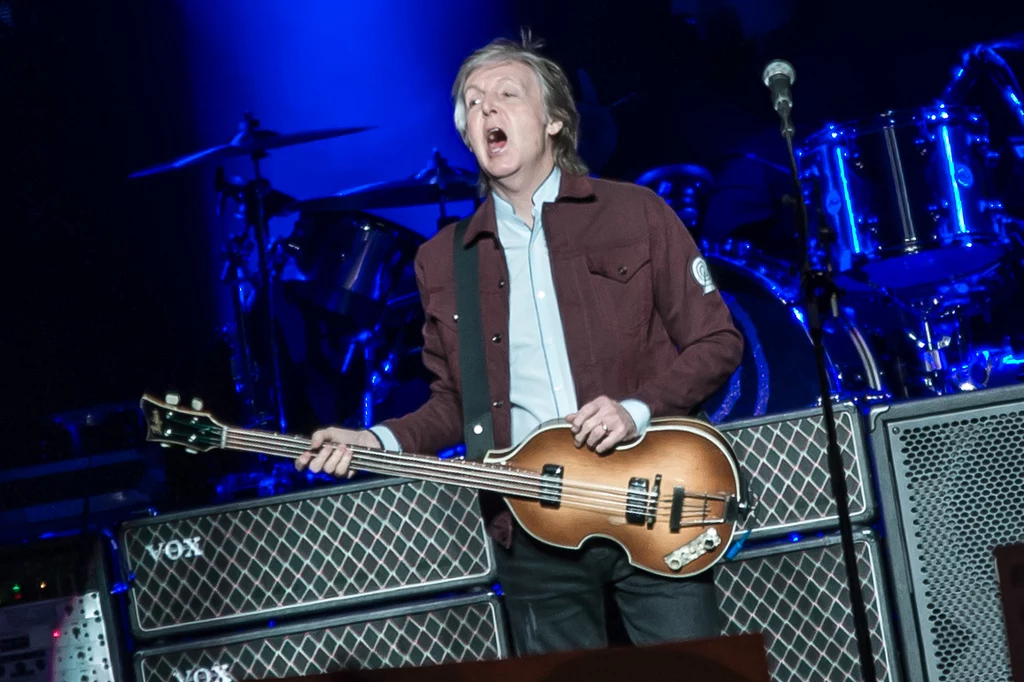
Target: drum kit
[926, 259]
[336, 292]
[903, 212]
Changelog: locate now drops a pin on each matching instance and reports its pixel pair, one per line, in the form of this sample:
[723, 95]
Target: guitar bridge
[694, 549]
[675, 515]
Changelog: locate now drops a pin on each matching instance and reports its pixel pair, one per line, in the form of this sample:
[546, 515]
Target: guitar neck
[497, 478]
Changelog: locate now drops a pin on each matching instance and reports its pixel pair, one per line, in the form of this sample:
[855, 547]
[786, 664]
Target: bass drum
[778, 372]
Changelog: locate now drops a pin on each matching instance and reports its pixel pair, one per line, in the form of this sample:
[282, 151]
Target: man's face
[505, 122]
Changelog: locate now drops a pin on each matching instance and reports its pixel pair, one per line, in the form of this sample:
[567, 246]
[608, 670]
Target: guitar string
[688, 511]
[504, 472]
[499, 483]
[492, 473]
[475, 471]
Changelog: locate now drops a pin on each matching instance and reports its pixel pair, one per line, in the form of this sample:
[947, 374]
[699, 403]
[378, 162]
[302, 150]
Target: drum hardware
[379, 377]
[909, 195]
[357, 266]
[933, 325]
[974, 355]
[237, 251]
[260, 202]
[988, 367]
[438, 183]
[984, 62]
[346, 280]
[390, 335]
[750, 156]
[906, 194]
[775, 374]
[274, 202]
[349, 263]
[932, 352]
[686, 188]
[983, 59]
[821, 233]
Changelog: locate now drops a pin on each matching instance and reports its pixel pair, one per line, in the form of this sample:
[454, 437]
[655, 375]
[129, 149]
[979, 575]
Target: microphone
[779, 76]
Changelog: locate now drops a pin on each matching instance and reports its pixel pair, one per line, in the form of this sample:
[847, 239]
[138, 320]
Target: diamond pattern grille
[799, 599]
[301, 552]
[445, 634]
[786, 461]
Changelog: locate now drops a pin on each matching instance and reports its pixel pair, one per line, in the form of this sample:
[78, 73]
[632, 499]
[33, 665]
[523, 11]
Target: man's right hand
[329, 452]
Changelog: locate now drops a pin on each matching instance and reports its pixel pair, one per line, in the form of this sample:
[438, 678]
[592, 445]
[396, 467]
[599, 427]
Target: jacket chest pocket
[620, 278]
[440, 310]
[441, 306]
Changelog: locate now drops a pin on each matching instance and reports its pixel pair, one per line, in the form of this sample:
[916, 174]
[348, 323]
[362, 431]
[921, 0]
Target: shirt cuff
[387, 438]
[640, 413]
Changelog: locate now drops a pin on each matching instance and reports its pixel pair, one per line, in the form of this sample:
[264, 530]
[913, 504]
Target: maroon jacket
[638, 321]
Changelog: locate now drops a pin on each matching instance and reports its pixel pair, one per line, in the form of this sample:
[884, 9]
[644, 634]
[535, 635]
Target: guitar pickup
[652, 503]
[551, 485]
[638, 501]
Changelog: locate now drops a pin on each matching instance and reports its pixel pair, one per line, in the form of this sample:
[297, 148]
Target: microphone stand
[256, 191]
[819, 296]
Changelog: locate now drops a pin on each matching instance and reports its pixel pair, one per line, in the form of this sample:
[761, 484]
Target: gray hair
[556, 93]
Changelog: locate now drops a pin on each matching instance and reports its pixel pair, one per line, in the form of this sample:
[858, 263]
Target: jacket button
[623, 269]
[496, 338]
[498, 403]
[501, 284]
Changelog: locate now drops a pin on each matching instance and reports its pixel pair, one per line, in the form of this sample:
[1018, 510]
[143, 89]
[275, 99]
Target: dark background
[108, 281]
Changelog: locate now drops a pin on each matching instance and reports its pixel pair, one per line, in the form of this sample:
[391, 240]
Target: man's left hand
[602, 424]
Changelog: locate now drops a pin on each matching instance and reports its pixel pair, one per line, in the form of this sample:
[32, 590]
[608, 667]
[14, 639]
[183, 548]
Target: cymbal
[251, 140]
[436, 184]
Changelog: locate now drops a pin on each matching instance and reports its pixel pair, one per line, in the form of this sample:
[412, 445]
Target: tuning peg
[165, 445]
[197, 404]
[172, 398]
[191, 451]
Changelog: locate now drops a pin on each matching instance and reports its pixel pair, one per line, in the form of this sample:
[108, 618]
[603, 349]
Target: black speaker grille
[961, 483]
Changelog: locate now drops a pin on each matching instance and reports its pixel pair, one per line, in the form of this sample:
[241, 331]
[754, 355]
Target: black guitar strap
[476, 401]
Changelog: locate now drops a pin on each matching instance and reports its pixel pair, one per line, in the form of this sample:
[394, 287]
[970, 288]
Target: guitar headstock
[168, 424]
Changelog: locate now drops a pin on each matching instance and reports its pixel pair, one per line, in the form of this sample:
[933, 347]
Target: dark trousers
[555, 598]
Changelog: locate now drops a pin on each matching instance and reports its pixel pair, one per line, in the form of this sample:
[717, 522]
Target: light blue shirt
[541, 387]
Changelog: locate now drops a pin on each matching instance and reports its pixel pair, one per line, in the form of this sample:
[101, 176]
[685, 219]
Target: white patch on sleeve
[700, 272]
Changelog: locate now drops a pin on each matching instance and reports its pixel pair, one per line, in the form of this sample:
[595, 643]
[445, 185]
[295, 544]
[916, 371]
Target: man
[596, 308]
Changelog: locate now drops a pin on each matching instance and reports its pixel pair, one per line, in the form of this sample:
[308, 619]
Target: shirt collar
[546, 193]
[576, 188]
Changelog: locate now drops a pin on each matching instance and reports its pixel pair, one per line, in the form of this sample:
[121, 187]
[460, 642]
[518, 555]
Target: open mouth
[496, 140]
